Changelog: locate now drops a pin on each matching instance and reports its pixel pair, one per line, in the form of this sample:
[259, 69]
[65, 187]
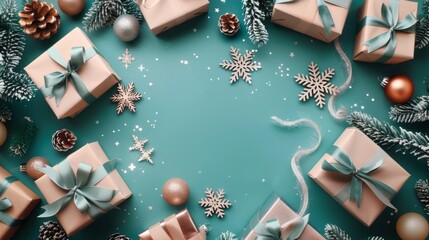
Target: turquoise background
[217, 135]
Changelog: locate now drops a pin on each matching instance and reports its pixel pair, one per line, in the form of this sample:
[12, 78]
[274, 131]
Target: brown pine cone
[118, 236]
[52, 230]
[229, 24]
[63, 140]
[40, 20]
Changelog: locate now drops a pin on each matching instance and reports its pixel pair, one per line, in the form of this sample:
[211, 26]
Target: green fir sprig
[103, 13]
[422, 192]
[255, 13]
[333, 232]
[227, 236]
[384, 134]
[422, 28]
[22, 138]
[416, 110]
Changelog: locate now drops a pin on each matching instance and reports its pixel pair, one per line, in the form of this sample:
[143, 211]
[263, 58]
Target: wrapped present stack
[81, 188]
[71, 74]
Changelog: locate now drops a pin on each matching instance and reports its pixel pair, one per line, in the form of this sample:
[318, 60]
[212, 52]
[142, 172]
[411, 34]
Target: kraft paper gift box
[403, 50]
[354, 148]
[162, 15]
[96, 74]
[304, 16]
[276, 209]
[19, 203]
[91, 158]
[179, 226]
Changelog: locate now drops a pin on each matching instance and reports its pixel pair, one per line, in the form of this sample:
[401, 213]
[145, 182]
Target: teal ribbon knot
[272, 230]
[353, 190]
[56, 82]
[390, 20]
[81, 188]
[5, 204]
[324, 13]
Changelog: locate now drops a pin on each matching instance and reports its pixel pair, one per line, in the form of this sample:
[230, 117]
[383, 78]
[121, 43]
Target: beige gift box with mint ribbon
[372, 167]
[162, 15]
[96, 74]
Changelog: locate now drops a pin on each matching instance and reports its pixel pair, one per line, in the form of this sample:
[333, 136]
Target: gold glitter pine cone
[229, 24]
[63, 140]
[40, 20]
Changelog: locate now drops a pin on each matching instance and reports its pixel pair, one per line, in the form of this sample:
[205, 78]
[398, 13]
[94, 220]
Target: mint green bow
[324, 13]
[5, 203]
[56, 82]
[353, 190]
[390, 20]
[81, 187]
[273, 230]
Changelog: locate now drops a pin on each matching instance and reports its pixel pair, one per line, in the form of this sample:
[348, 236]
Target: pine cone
[63, 140]
[118, 236]
[40, 20]
[229, 24]
[52, 231]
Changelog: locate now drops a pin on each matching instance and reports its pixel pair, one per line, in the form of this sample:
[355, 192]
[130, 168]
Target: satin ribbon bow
[353, 190]
[56, 82]
[81, 188]
[5, 203]
[274, 231]
[324, 13]
[390, 20]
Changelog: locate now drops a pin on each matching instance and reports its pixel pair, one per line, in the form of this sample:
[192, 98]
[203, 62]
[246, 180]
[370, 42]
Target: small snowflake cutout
[240, 65]
[126, 98]
[145, 155]
[316, 85]
[215, 203]
[126, 58]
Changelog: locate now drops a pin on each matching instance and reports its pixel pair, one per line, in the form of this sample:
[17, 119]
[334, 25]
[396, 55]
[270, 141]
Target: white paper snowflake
[240, 65]
[126, 98]
[316, 85]
[145, 155]
[214, 203]
[126, 58]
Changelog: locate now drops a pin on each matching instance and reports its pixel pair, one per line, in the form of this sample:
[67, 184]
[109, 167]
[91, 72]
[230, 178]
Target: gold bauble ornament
[3, 133]
[176, 191]
[71, 7]
[412, 226]
[399, 89]
[32, 165]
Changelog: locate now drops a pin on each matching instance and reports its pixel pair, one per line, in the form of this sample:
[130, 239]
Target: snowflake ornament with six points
[240, 65]
[126, 58]
[316, 85]
[126, 98]
[145, 155]
[215, 203]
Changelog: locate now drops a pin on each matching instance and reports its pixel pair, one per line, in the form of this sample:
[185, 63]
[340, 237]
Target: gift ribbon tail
[325, 16]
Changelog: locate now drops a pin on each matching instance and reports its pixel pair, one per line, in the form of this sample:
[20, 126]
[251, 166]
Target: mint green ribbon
[56, 82]
[272, 230]
[81, 188]
[324, 13]
[353, 190]
[390, 20]
[5, 204]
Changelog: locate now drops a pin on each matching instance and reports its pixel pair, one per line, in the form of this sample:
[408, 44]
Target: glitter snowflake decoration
[316, 84]
[126, 58]
[240, 65]
[126, 98]
[145, 155]
[227, 236]
[214, 203]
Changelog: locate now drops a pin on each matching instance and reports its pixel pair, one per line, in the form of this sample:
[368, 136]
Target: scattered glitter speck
[141, 68]
[132, 167]
[117, 143]
[216, 10]
[292, 54]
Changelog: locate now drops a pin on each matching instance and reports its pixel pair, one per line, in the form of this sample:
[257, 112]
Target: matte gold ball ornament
[412, 226]
[176, 191]
[3, 133]
[32, 165]
[71, 7]
[398, 89]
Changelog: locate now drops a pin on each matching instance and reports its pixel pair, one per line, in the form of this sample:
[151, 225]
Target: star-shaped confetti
[316, 84]
[126, 98]
[145, 155]
[240, 65]
[126, 58]
[215, 203]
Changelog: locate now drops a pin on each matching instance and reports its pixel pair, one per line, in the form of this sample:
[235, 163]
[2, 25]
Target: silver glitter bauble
[126, 27]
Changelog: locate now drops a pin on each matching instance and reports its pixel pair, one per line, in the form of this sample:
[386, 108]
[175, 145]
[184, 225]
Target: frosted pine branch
[422, 192]
[416, 110]
[255, 12]
[384, 134]
[22, 139]
[333, 232]
[422, 27]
